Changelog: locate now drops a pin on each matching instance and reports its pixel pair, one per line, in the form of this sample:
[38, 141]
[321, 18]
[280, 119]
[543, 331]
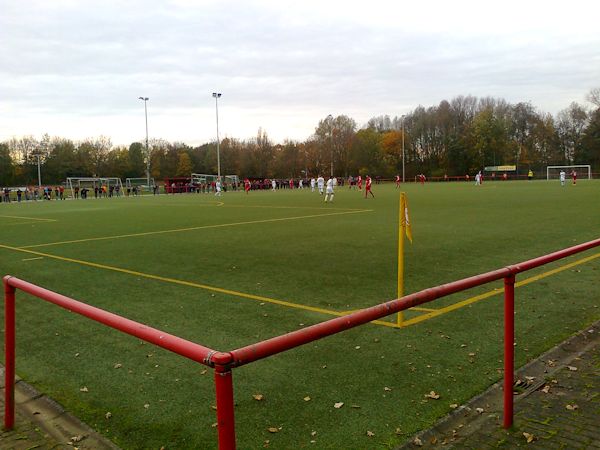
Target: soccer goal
[203, 179]
[99, 186]
[582, 170]
[140, 183]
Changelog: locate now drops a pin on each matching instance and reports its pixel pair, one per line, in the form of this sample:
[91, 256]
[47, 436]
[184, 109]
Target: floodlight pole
[39, 171]
[216, 95]
[145, 99]
[402, 149]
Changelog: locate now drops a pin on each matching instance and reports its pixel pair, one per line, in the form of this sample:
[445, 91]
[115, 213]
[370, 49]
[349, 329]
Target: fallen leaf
[387, 389]
[203, 372]
[273, 430]
[306, 399]
[530, 379]
[432, 395]
[370, 433]
[471, 354]
[572, 368]
[479, 410]
[355, 406]
[357, 347]
[433, 440]
[398, 431]
[214, 425]
[118, 366]
[418, 442]
[76, 438]
[572, 407]
[76, 355]
[258, 397]
[529, 437]
[213, 407]
[147, 405]
[546, 389]
[338, 405]
[108, 415]
[84, 389]
[454, 405]
[313, 433]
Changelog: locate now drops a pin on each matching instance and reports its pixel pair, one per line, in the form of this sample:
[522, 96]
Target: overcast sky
[75, 68]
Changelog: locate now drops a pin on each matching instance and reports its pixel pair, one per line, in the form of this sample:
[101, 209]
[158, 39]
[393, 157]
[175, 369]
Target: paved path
[41, 423]
[557, 405]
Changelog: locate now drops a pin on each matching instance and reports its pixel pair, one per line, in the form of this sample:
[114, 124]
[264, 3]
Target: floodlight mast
[403, 149]
[216, 95]
[145, 100]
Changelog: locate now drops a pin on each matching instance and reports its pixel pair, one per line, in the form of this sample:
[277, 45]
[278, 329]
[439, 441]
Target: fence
[224, 362]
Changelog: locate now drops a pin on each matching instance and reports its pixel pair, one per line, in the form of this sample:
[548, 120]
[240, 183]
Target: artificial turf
[296, 253]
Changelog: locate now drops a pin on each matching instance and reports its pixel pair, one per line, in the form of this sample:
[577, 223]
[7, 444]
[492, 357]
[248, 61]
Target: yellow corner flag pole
[404, 228]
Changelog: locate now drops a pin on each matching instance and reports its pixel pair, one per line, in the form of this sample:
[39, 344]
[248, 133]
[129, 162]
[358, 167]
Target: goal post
[94, 184]
[141, 183]
[203, 179]
[582, 170]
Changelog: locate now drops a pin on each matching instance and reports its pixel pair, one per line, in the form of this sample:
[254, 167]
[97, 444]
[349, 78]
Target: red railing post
[509, 348]
[224, 393]
[9, 354]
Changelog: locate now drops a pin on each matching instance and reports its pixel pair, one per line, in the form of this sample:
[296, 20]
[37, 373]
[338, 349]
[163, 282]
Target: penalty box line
[188, 284]
[201, 227]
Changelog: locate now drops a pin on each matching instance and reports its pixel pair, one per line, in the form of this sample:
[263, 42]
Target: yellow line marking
[497, 291]
[414, 308]
[202, 227]
[29, 218]
[175, 281]
[32, 259]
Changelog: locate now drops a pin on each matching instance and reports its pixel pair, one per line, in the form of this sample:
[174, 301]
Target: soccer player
[574, 175]
[359, 183]
[397, 181]
[321, 184]
[562, 177]
[218, 188]
[247, 185]
[368, 187]
[273, 185]
[312, 184]
[329, 191]
[478, 178]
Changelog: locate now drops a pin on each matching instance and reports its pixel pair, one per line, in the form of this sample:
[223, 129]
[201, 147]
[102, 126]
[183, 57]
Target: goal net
[582, 170]
[95, 186]
[203, 179]
[140, 183]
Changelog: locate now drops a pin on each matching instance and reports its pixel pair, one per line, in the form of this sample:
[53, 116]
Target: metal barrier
[224, 362]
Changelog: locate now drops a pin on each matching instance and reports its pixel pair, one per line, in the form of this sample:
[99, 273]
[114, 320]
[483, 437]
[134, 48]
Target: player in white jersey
[329, 190]
[321, 184]
[218, 188]
[273, 185]
[562, 176]
[312, 184]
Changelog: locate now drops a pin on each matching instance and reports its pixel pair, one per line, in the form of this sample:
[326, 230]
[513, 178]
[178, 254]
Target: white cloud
[76, 68]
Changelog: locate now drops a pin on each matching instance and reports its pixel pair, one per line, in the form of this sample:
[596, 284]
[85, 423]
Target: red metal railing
[224, 362]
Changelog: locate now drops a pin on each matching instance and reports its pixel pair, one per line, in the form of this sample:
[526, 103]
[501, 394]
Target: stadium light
[216, 95]
[403, 149]
[145, 100]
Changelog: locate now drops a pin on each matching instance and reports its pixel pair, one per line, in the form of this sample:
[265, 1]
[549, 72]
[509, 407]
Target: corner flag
[405, 219]
[404, 228]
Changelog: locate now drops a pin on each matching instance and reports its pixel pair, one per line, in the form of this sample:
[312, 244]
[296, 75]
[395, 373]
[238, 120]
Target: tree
[6, 166]
[184, 165]
[335, 136]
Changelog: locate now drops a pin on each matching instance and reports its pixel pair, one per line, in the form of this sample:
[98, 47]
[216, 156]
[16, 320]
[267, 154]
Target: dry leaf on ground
[258, 397]
[338, 405]
[432, 395]
[530, 437]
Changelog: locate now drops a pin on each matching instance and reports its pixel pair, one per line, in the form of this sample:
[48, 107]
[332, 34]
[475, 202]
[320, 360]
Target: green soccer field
[230, 271]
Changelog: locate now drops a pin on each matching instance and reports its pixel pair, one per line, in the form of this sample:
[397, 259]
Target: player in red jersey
[397, 181]
[368, 187]
[247, 185]
[574, 175]
[359, 183]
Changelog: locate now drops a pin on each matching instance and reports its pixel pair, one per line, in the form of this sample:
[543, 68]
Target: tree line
[454, 138]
